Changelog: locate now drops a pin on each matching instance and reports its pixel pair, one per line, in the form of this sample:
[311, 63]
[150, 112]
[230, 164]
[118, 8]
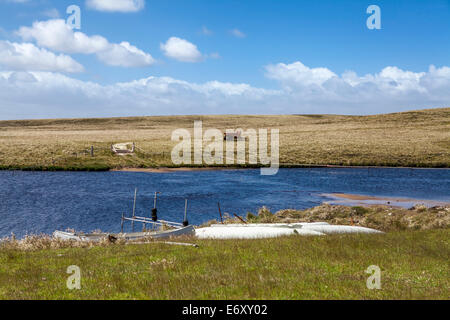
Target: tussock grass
[414, 265]
[415, 139]
[380, 217]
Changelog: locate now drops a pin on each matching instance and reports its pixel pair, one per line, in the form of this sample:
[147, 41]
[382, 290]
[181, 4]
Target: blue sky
[251, 57]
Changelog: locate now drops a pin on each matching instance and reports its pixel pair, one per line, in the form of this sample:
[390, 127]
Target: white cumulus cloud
[116, 5]
[26, 56]
[53, 95]
[125, 55]
[301, 90]
[298, 73]
[391, 88]
[56, 35]
[181, 50]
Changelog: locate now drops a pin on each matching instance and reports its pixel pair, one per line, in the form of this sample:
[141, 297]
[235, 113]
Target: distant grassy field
[414, 265]
[416, 139]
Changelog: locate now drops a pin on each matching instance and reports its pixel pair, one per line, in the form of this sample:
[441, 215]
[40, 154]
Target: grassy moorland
[416, 139]
[413, 257]
[414, 265]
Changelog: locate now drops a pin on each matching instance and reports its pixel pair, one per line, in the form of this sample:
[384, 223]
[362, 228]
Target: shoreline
[169, 169]
[179, 169]
[342, 201]
[212, 168]
[347, 203]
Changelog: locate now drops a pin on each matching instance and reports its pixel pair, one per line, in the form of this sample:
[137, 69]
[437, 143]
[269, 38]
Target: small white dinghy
[96, 237]
[177, 229]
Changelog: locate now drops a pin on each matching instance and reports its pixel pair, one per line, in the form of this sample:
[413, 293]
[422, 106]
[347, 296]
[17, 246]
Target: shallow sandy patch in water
[363, 200]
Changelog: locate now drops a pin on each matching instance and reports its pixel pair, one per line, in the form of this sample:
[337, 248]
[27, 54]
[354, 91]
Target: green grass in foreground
[414, 265]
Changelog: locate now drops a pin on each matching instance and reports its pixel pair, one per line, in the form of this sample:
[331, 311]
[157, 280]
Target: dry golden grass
[419, 138]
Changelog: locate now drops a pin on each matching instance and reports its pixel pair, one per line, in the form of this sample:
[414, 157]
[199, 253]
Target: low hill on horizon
[96, 120]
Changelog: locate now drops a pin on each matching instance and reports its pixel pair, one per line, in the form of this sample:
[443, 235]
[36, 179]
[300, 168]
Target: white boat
[267, 230]
[251, 232]
[177, 229]
[79, 236]
[185, 231]
[96, 237]
[334, 229]
[296, 225]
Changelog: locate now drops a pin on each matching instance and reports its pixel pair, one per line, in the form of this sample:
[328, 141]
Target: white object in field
[333, 229]
[254, 232]
[186, 231]
[78, 237]
[123, 148]
[269, 230]
[296, 225]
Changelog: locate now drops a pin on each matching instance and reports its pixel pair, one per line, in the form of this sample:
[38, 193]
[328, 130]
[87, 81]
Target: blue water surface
[42, 202]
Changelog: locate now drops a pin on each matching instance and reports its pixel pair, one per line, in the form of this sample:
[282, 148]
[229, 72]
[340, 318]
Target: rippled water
[41, 202]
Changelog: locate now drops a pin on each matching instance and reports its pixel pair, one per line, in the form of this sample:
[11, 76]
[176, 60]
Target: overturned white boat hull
[251, 232]
[261, 231]
[296, 225]
[333, 229]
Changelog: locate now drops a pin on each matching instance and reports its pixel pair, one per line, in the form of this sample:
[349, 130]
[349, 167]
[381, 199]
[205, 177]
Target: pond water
[42, 202]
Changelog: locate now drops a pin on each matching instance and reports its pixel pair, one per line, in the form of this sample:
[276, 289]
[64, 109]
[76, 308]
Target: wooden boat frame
[178, 229]
[132, 236]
